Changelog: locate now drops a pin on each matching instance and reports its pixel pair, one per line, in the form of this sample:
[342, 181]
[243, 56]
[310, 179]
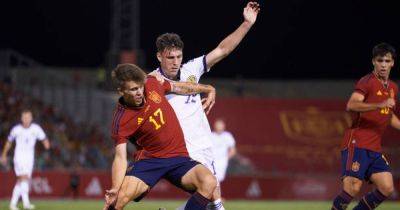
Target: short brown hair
[127, 72]
[169, 41]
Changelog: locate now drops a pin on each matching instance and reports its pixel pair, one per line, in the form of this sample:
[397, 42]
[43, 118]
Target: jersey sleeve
[362, 86]
[230, 140]
[155, 84]
[13, 135]
[121, 128]
[40, 135]
[197, 66]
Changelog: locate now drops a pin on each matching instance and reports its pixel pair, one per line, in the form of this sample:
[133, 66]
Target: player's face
[26, 119]
[170, 61]
[219, 126]
[132, 93]
[383, 65]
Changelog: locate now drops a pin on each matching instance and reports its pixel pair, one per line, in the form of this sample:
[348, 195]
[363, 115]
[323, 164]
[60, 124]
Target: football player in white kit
[189, 109]
[25, 136]
[223, 147]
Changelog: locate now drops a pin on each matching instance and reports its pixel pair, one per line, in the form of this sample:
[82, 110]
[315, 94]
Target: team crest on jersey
[355, 166]
[379, 93]
[191, 79]
[154, 96]
[139, 120]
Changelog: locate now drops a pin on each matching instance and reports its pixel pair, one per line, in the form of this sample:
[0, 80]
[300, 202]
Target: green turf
[171, 205]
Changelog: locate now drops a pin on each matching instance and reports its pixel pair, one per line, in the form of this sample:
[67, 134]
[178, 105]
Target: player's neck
[383, 79]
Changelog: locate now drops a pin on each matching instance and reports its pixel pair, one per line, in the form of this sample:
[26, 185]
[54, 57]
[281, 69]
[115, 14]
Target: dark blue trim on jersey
[118, 117]
[178, 78]
[204, 64]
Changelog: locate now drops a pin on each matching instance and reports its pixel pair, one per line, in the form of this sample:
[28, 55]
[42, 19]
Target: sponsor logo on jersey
[191, 79]
[379, 93]
[355, 166]
[139, 120]
[154, 96]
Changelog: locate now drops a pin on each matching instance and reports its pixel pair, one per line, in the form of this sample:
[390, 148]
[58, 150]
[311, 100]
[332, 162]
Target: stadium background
[282, 91]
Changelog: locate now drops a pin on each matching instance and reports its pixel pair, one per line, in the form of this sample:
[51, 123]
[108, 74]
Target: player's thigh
[132, 188]
[199, 177]
[384, 182]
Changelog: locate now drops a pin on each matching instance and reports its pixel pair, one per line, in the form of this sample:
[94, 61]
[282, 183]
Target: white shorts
[23, 168]
[220, 169]
[205, 157]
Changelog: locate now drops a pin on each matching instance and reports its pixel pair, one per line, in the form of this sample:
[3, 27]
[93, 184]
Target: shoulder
[367, 79]
[393, 84]
[16, 128]
[36, 126]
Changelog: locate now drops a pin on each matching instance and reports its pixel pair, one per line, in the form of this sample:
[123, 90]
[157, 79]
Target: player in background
[223, 147]
[25, 136]
[371, 104]
[145, 118]
[189, 108]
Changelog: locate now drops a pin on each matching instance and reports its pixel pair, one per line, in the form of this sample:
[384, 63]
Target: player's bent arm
[231, 152]
[188, 88]
[395, 122]
[46, 144]
[226, 46]
[119, 166]
[356, 103]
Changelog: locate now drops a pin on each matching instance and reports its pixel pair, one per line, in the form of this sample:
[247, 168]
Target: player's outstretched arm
[6, 148]
[118, 171]
[188, 88]
[356, 103]
[227, 45]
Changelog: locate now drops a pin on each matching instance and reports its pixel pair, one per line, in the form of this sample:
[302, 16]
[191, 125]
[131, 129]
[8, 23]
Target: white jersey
[25, 139]
[221, 144]
[189, 110]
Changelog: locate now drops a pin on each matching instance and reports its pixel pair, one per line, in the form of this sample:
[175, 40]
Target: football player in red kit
[371, 104]
[145, 118]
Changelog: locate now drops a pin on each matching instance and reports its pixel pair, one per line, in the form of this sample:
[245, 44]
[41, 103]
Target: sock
[15, 195]
[342, 201]
[371, 200]
[215, 205]
[25, 193]
[197, 202]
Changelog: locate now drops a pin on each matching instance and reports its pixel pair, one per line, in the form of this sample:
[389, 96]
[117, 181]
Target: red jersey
[153, 127]
[367, 127]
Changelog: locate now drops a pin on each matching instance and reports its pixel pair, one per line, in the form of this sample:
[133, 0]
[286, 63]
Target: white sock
[215, 205]
[15, 195]
[25, 193]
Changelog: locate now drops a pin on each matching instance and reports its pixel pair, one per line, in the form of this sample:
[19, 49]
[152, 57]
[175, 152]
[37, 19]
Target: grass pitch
[171, 205]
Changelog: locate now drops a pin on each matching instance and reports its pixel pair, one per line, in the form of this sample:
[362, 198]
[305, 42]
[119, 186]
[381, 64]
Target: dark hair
[127, 72]
[382, 49]
[169, 41]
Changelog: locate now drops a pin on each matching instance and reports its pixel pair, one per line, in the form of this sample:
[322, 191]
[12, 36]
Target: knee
[353, 187]
[386, 190]
[208, 184]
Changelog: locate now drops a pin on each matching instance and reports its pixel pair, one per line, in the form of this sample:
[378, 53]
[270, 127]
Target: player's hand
[250, 12]
[209, 101]
[158, 76]
[110, 197]
[3, 161]
[389, 103]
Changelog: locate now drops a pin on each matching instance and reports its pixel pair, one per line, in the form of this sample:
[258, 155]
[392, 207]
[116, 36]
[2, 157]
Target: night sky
[291, 38]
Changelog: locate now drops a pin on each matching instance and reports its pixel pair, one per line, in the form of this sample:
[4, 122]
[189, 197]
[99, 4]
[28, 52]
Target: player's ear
[120, 91]
[159, 56]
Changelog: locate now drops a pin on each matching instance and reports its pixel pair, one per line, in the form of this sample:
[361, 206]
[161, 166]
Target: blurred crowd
[73, 145]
